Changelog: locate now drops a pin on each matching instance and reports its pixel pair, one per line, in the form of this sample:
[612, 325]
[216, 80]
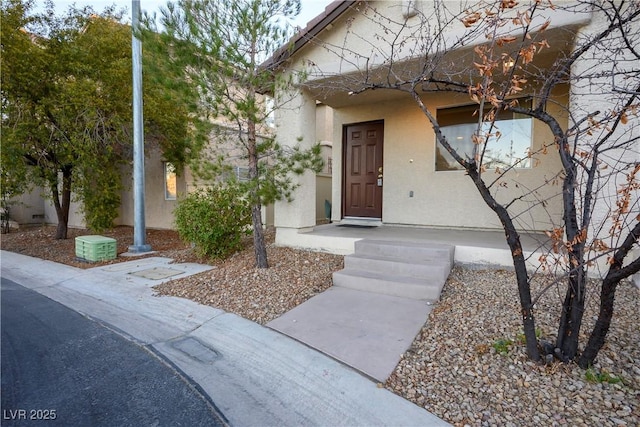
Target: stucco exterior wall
[413, 192]
[76, 218]
[296, 126]
[360, 31]
[587, 99]
[158, 210]
[28, 209]
[324, 135]
[443, 198]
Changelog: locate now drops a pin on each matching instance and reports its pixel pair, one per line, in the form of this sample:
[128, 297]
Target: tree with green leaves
[215, 49]
[66, 109]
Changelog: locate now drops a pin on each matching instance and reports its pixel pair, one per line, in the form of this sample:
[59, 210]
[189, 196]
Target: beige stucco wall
[76, 218]
[29, 208]
[440, 199]
[296, 126]
[324, 135]
[361, 37]
[158, 210]
[595, 97]
[445, 198]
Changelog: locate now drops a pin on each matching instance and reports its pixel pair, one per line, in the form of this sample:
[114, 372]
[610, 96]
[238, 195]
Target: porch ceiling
[341, 90]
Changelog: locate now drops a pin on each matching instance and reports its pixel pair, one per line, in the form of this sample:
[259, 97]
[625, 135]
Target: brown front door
[363, 170]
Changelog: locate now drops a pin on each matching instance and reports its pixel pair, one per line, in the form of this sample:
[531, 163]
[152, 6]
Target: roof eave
[304, 36]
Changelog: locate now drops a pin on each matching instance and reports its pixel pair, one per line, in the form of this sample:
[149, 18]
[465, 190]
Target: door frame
[343, 184]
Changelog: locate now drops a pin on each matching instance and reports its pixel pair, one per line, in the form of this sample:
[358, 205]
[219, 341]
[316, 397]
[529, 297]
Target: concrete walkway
[365, 330]
[377, 305]
[256, 376]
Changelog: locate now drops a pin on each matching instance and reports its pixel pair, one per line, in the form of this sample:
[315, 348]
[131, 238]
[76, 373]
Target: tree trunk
[607, 297]
[522, 276]
[259, 246]
[571, 318]
[62, 207]
[601, 328]
[573, 305]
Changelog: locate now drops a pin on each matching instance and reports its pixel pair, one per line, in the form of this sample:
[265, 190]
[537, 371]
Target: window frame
[467, 114]
[166, 173]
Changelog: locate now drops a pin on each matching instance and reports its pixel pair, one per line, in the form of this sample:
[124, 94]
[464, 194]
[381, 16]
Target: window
[241, 173]
[508, 146]
[269, 106]
[170, 182]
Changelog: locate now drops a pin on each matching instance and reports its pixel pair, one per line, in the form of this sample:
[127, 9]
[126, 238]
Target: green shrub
[214, 220]
[501, 346]
[594, 376]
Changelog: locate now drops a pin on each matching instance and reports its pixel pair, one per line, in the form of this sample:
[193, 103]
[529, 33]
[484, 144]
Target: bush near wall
[214, 220]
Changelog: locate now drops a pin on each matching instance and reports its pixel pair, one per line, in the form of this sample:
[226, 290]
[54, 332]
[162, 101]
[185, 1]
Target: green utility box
[96, 248]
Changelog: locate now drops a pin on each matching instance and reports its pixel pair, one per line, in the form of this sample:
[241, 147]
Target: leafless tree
[515, 58]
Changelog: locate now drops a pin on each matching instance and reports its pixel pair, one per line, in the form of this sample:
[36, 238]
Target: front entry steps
[377, 306]
[415, 270]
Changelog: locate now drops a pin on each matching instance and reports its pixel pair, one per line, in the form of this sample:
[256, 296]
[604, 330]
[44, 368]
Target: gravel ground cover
[467, 365]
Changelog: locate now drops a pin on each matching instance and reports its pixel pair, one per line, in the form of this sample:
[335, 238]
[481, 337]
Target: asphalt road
[60, 368]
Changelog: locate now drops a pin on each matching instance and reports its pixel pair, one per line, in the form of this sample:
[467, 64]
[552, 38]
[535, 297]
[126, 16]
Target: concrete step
[426, 269]
[414, 251]
[361, 222]
[416, 270]
[400, 286]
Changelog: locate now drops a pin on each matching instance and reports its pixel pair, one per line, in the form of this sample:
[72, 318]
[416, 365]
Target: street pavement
[254, 375]
[60, 368]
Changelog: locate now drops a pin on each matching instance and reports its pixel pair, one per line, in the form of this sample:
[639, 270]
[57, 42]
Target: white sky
[310, 8]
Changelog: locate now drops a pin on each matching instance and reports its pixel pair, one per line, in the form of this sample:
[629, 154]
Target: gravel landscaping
[467, 365]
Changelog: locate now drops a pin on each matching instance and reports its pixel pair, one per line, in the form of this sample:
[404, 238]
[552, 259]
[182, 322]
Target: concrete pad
[157, 273]
[136, 254]
[127, 266]
[150, 271]
[367, 331]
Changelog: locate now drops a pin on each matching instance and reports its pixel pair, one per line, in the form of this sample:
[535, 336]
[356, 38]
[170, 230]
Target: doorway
[363, 173]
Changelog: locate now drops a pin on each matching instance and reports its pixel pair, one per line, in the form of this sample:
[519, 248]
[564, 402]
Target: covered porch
[475, 248]
[405, 185]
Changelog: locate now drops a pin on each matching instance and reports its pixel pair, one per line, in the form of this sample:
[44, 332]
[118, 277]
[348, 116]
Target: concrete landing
[367, 331]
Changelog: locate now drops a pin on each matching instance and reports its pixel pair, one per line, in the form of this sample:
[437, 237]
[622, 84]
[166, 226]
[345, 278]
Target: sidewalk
[255, 376]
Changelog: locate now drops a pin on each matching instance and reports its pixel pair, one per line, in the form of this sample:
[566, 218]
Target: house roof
[305, 35]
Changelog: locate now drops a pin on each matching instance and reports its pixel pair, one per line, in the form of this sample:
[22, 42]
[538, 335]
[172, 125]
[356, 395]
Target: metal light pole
[139, 232]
